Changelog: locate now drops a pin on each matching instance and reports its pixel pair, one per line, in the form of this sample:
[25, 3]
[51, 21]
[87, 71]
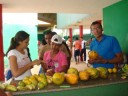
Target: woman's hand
[36, 62]
[50, 72]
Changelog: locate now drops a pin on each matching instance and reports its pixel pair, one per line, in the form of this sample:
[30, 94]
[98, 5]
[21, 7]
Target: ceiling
[91, 7]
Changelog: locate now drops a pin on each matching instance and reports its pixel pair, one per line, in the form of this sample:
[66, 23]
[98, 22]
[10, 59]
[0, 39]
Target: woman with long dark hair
[19, 61]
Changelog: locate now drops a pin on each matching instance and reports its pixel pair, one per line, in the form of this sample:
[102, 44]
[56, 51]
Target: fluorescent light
[42, 22]
[20, 18]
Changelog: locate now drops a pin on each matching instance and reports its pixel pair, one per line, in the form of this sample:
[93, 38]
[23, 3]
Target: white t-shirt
[83, 44]
[22, 60]
[68, 44]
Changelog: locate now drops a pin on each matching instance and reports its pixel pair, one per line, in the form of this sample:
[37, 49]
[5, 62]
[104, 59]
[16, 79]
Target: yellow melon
[83, 75]
[58, 78]
[72, 78]
[93, 55]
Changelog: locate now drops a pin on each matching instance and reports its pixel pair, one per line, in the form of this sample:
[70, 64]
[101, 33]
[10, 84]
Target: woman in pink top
[55, 60]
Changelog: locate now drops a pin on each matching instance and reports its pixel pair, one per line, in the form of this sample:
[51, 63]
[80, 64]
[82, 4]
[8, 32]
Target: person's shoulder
[46, 47]
[62, 53]
[12, 52]
[48, 52]
[110, 37]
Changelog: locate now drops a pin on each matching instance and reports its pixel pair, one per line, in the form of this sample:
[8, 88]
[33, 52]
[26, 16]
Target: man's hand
[98, 60]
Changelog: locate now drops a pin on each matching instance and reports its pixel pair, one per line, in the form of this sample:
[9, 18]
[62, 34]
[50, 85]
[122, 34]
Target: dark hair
[43, 42]
[48, 32]
[96, 22]
[54, 33]
[68, 52]
[76, 38]
[20, 36]
[69, 37]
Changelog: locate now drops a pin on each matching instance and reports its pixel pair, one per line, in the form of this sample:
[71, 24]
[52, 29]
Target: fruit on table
[103, 72]
[125, 68]
[110, 70]
[83, 75]
[49, 79]
[40, 85]
[11, 88]
[42, 75]
[72, 78]
[21, 88]
[30, 87]
[114, 70]
[21, 83]
[26, 81]
[2, 86]
[94, 73]
[32, 77]
[58, 78]
[43, 80]
[33, 81]
[123, 77]
[72, 71]
[93, 55]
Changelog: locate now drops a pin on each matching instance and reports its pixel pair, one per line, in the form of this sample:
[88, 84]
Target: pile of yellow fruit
[112, 70]
[37, 82]
[33, 82]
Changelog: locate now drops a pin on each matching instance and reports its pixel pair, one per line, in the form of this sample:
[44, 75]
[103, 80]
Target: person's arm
[64, 68]
[43, 64]
[41, 54]
[19, 71]
[117, 59]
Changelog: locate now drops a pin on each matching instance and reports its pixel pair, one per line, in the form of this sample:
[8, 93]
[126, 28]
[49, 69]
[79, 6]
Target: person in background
[17, 54]
[107, 47]
[46, 47]
[68, 42]
[43, 42]
[77, 49]
[83, 49]
[55, 60]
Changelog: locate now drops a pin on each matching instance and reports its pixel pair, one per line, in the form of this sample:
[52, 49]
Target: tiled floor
[80, 66]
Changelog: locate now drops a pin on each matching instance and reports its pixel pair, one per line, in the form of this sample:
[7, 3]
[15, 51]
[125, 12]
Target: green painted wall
[119, 89]
[9, 31]
[115, 21]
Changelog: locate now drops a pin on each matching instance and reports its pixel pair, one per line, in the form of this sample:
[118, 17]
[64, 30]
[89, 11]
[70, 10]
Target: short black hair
[96, 22]
[77, 38]
[48, 32]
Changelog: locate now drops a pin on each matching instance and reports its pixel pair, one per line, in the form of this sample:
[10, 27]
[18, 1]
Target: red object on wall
[70, 33]
[81, 30]
[1, 48]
